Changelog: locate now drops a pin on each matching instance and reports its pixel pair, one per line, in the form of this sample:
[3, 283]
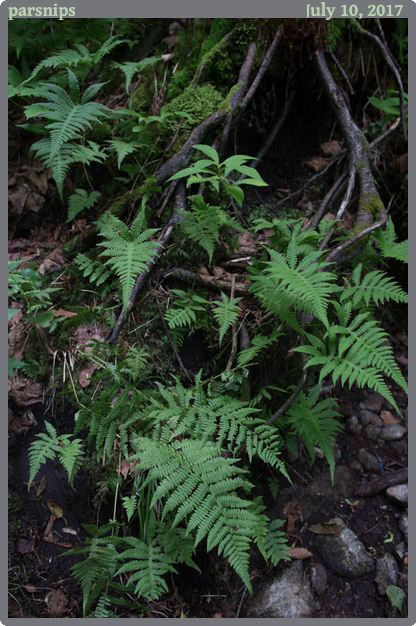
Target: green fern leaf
[128, 251]
[387, 242]
[376, 286]
[226, 313]
[275, 543]
[79, 201]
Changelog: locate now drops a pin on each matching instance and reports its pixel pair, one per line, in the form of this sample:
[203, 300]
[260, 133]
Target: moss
[372, 204]
[226, 104]
[198, 103]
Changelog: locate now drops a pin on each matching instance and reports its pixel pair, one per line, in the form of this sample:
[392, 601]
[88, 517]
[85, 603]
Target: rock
[392, 432]
[368, 417]
[287, 595]
[400, 550]
[337, 453]
[374, 402]
[357, 467]
[386, 572]
[404, 525]
[372, 432]
[354, 425]
[368, 460]
[318, 578]
[397, 447]
[344, 554]
[398, 494]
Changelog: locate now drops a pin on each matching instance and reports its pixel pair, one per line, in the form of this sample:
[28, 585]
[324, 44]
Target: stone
[398, 494]
[319, 578]
[288, 594]
[368, 460]
[397, 447]
[404, 525]
[374, 402]
[400, 550]
[354, 425]
[392, 432]
[337, 453]
[344, 554]
[372, 432]
[386, 572]
[357, 467]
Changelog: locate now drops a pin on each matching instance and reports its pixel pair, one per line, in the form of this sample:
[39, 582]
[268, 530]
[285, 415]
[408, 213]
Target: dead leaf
[331, 148]
[326, 528]
[55, 509]
[300, 553]
[41, 489]
[70, 531]
[24, 546]
[293, 512]
[65, 544]
[65, 314]
[85, 375]
[126, 467]
[20, 422]
[48, 534]
[16, 340]
[30, 588]
[56, 602]
[388, 418]
[282, 193]
[217, 615]
[402, 163]
[24, 391]
[402, 359]
[401, 337]
[316, 163]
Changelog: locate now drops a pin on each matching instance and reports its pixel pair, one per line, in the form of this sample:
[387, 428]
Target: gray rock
[357, 467]
[318, 578]
[404, 525]
[373, 403]
[398, 494]
[367, 417]
[392, 432]
[368, 460]
[372, 432]
[400, 550]
[386, 572]
[354, 425]
[337, 453]
[287, 595]
[397, 447]
[344, 554]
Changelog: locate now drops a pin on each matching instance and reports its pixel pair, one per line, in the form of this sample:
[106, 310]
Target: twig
[334, 255]
[168, 192]
[329, 196]
[342, 208]
[297, 391]
[234, 331]
[241, 602]
[389, 131]
[31, 244]
[343, 72]
[263, 67]
[183, 368]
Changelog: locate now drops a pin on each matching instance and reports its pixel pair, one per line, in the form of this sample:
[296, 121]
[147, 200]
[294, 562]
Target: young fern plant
[68, 117]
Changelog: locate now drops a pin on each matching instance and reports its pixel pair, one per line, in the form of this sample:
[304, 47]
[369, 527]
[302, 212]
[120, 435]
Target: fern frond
[275, 543]
[123, 148]
[44, 447]
[183, 312]
[96, 271]
[79, 201]
[128, 251]
[314, 423]
[388, 246]
[226, 313]
[258, 342]
[376, 286]
[148, 564]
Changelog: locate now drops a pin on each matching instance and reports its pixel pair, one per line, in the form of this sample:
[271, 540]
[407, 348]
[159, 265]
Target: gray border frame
[196, 8]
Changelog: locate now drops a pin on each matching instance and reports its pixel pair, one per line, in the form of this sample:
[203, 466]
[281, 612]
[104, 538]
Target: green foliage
[127, 249]
[275, 543]
[218, 174]
[315, 424]
[335, 28]
[226, 313]
[129, 68]
[183, 312]
[79, 201]
[402, 40]
[389, 248]
[376, 286]
[72, 115]
[191, 107]
[47, 445]
[354, 352]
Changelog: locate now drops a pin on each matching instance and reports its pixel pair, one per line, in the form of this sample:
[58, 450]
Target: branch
[297, 391]
[165, 235]
[341, 210]
[183, 368]
[263, 67]
[335, 254]
[329, 196]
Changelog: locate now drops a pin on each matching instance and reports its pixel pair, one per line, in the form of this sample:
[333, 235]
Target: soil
[36, 566]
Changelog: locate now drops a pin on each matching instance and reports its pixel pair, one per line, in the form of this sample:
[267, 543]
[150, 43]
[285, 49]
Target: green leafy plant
[218, 174]
[79, 201]
[226, 313]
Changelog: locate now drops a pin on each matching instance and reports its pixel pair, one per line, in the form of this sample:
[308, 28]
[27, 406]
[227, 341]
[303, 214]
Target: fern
[275, 543]
[226, 313]
[96, 271]
[355, 353]
[374, 286]
[183, 313]
[200, 485]
[258, 342]
[314, 423]
[148, 564]
[128, 250]
[204, 223]
[129, 68]
[387, 242]
[100, 565]
[72, 115]
[285, 283]
[79, 201]
[47, 445]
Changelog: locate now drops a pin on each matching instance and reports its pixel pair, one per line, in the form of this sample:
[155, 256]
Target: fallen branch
[234, 331]
[183, 368]
[206, 280]
[395, 478]
[165, 235]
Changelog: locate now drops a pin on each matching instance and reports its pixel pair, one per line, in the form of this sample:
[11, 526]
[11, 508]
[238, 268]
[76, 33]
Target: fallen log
[395, 478]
